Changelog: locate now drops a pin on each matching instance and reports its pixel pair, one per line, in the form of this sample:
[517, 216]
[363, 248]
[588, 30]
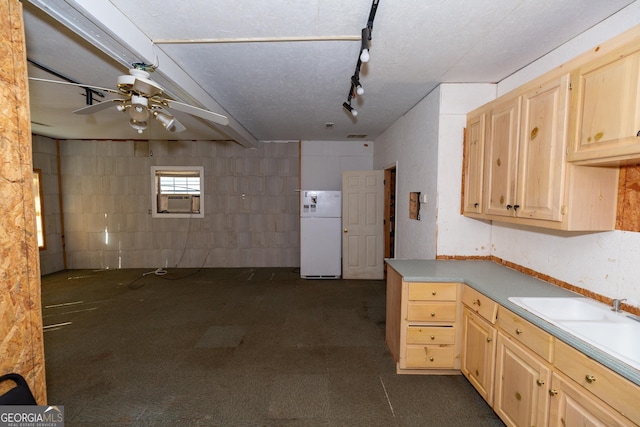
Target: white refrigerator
[320, 234]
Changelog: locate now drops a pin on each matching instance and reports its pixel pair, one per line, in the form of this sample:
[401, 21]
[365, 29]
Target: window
[177, 191]
[39, 202]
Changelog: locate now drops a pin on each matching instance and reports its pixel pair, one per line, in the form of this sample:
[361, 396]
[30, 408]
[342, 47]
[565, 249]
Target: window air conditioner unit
[178, 203]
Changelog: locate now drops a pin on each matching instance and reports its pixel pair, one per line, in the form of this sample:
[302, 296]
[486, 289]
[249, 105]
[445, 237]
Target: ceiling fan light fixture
[168, 121]
[139, 126]
[139, 110]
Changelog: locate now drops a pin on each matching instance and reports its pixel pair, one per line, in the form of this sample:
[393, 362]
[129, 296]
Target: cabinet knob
[475, 205]
[540, 382]
[516, 207]
[509, 207]
[346, 230]
[638, 134]
[590, 379]
[518, 331]
[489, 339]
[553, 392]
[433, 314]
[433, 293]
[433, 337]
[476, 302]
[431, 359]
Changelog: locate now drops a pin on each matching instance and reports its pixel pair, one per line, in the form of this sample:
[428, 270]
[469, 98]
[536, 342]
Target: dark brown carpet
[234, 347]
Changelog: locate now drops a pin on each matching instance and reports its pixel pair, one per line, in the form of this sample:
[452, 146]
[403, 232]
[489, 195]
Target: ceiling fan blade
[98, 107]
[80, 85]
[198, 112]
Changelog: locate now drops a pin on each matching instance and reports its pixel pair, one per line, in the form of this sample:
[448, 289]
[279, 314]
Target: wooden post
[21, 341]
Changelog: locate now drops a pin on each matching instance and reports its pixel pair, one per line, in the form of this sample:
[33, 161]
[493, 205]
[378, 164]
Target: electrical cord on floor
[160, 272]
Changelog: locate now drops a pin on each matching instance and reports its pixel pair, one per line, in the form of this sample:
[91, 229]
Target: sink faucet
[616, 304]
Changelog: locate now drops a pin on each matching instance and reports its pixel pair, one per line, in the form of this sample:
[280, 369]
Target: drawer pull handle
[590, 379]
[540, 382]
[553, 392]
[433, 337]
[518, 331]
[476, 302]
[433, 314]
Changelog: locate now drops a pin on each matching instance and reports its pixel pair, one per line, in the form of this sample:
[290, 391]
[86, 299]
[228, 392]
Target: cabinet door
[501, 158]
[606, 97]
[474, 159]
[573, 406]
[541, 152]
[521, 385]
[478, 353]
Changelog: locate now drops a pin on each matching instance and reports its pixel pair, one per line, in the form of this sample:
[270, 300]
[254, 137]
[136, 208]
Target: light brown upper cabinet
[474, 161]
[525, 154]
[525, 174]
[605, 129]
[501, 157]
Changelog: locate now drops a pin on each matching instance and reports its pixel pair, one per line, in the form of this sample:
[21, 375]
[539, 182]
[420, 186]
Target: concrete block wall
[250, 203]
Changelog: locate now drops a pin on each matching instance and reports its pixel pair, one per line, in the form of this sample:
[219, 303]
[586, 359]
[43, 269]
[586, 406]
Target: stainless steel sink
[591, 321]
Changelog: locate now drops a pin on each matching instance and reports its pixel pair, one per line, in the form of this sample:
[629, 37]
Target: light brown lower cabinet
[529, 377]
[478, 357]
[570, 405]
[521, 385]
[423, 325]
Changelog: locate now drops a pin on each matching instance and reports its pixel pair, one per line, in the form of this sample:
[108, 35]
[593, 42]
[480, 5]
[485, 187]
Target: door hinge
[570, 85]
[563, 210]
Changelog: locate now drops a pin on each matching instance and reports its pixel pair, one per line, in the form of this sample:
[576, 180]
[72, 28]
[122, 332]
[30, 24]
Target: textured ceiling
[280, 69]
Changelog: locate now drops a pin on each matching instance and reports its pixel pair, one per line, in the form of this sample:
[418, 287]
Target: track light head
[350, 109]
[364, 49]
[364, 55]
[355, 84]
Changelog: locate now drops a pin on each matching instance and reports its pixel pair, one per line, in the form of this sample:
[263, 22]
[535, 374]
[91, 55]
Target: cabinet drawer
[431, 312]
[431, 335]
[479, 303]
[430, 357]
[618, 392]
[530, 335]
[432, 291]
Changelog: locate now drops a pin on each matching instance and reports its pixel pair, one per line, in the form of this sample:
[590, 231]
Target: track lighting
[355, 82]
[356, 88]
[364, 56]
[364, 48]
[350, 109]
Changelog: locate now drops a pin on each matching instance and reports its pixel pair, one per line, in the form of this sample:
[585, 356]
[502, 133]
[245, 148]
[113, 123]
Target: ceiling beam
[108, 29]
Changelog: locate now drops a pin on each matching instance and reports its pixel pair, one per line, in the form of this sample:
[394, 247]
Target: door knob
[345, 230]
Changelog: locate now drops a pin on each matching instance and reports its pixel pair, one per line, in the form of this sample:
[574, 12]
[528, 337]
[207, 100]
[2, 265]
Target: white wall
[604, 263]
[458, 235]
[322, 162]
[411, 143]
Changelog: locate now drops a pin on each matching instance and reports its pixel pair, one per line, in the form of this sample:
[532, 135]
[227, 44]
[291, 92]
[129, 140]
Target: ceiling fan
[141, 98]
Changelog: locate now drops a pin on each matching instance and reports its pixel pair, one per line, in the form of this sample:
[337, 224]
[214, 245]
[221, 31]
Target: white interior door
[363, 225]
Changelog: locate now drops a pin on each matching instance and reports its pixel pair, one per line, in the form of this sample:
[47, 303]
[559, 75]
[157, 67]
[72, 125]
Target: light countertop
[499, 283]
